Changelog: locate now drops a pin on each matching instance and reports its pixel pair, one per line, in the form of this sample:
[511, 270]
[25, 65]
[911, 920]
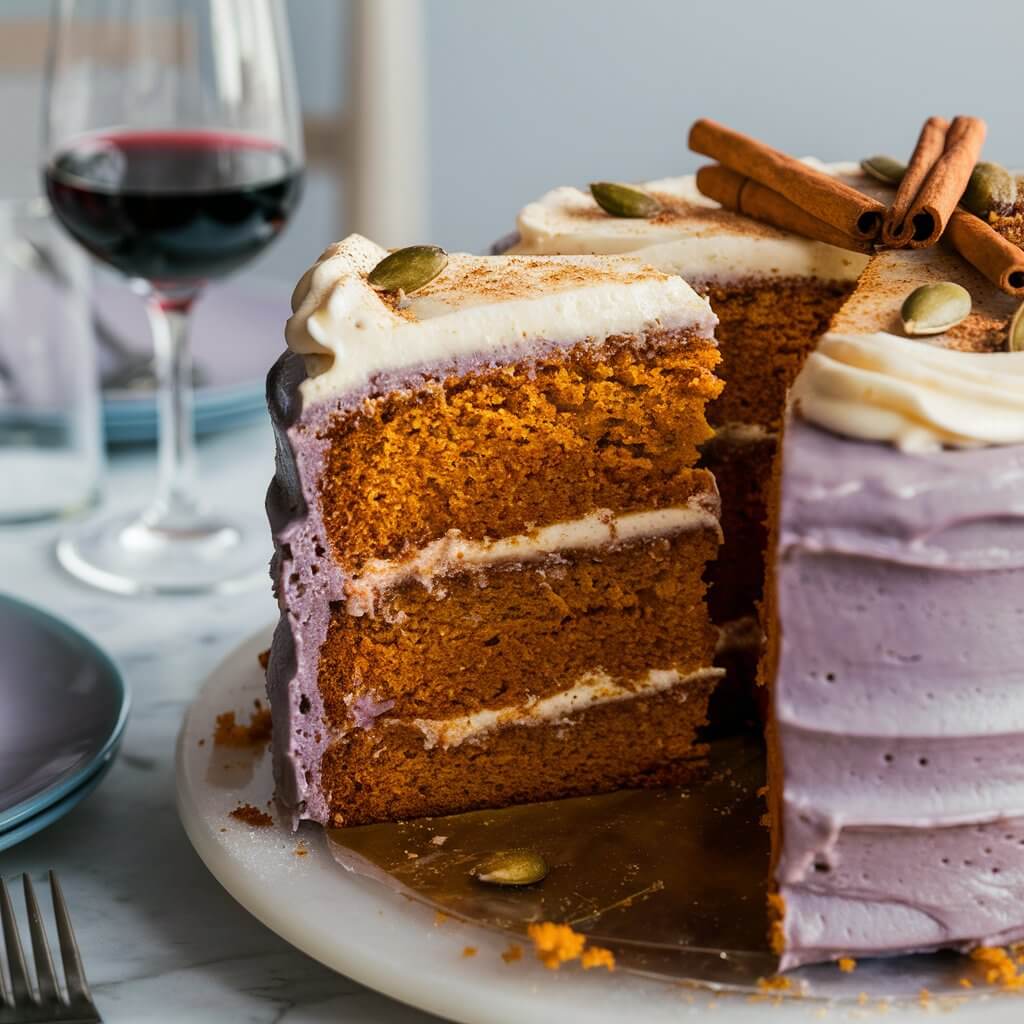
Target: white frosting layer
[453, 552]
[595, 687]
[693, 237]
[917, 396]
[493, 307]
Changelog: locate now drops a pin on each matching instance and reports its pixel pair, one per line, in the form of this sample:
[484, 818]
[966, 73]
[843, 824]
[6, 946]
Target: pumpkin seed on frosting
[990, 189]
[512, 867]
[934, 308]
[1015, 336]
[406, 270]
[624, 200]
[886, 169]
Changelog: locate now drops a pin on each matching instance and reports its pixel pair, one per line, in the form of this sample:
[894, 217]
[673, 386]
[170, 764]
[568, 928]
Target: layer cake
[490, 534]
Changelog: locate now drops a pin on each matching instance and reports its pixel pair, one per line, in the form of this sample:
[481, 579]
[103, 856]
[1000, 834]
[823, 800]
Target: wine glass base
[128, 554]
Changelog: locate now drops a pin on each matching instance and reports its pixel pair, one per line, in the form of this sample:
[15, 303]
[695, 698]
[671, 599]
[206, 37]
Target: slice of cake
[896, 648]
[490, 534]
[774, 294]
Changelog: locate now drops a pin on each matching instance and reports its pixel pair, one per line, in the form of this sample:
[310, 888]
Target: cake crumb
[513, 953]
[302, 850]
[597, 956]
[924, 997]
[439, 918]
[202, 741]
[264, 659]
[439, 840]
[966, 983]
[556, 944]
[1000, 967]
[776, 983]
[847, 964]
[469, 951]
[863, 999]
[252, 816]
[230, 733]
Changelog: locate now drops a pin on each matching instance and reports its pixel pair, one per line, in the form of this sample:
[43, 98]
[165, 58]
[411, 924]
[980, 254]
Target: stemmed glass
[173, 153]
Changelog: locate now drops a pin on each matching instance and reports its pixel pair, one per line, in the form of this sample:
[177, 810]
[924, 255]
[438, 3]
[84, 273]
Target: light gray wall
[529, 94]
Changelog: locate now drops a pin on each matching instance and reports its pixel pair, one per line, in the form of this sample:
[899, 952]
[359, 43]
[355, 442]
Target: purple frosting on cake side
[899, 697]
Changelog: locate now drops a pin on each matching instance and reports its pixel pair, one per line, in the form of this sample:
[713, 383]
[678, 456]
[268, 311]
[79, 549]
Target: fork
[43, 1003]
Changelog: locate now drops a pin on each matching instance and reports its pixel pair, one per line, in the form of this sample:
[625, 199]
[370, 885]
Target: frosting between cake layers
[692, 236]
[899, 696]
[497, 307]
[592, 688]
[915, 395]
[453, 553]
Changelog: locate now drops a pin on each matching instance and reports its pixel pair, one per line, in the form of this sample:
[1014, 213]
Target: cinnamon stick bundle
[947, 177]
[898, 229]
[740, 194]
[986, 250]
[823, 197]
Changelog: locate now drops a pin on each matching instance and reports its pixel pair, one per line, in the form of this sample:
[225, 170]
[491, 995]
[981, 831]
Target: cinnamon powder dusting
[252, 816]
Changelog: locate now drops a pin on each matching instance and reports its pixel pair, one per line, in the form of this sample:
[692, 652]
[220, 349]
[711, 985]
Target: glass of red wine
[173, 153]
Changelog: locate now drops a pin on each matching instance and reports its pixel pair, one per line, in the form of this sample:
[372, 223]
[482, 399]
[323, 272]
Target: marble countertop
[160, 939]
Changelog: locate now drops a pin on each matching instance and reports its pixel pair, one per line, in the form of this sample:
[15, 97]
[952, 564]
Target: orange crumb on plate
[469, 951]
[597, 956]
[555, 943]
[966, 983]
[777, 983]
[847, 964]
[230, 733]
[439, 917]
[1000, 968]
[513, 953]
[252, 816]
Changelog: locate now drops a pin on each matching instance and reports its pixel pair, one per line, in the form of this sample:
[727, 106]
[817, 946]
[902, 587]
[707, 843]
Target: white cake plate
[377, 936]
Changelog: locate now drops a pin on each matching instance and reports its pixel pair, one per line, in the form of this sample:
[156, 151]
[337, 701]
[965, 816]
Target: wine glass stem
[176, 504]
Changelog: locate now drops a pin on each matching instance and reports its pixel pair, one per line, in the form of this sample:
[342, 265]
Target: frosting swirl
[914, 395]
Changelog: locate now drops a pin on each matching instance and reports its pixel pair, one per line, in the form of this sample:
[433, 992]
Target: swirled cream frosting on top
[691, 236]
[880, 387]
[480, 307]
[956, 390]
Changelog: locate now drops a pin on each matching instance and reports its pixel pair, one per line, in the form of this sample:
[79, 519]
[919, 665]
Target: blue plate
[30, 826]
[64, 709]
[237, 335]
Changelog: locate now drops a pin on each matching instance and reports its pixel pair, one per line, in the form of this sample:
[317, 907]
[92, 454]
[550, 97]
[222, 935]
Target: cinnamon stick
[744, 195]
[942, 188]
[897, 229]
[823, 197]
[984, 248]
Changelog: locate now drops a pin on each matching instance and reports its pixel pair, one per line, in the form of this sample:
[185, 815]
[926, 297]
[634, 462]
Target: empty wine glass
[173, 153]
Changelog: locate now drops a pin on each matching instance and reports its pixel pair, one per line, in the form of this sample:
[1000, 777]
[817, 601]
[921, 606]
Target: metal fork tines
[21, 1001]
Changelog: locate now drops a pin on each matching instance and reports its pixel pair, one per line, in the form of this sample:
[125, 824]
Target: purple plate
[64, 709]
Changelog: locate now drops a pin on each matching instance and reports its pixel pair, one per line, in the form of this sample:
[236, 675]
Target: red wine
[173, 207]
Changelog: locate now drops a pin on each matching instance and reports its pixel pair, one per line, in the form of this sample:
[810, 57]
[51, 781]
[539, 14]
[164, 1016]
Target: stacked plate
[64, 711]
[237, 334]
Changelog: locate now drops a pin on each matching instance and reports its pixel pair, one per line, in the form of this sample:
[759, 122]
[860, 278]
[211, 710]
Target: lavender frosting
[900, 697]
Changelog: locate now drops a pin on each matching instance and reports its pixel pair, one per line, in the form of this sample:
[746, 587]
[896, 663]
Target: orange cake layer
[499, 450]
[766, 329]
[388, 773]
[492, 637]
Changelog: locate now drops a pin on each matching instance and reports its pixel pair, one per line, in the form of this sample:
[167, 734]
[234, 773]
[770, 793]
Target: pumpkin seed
[624, 200]
[512, 867]
[884, 168]
[991, 189]
[405, 270]
[1015, 338]
[934, 308]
